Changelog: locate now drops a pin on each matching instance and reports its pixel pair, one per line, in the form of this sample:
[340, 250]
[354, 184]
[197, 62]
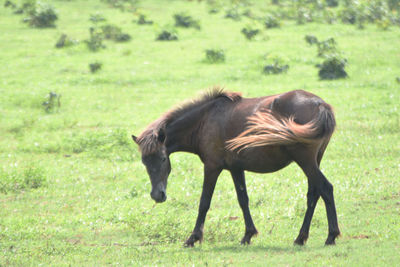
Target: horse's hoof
[301, 239]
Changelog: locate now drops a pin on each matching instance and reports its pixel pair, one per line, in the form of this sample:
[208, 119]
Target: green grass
[73, 190]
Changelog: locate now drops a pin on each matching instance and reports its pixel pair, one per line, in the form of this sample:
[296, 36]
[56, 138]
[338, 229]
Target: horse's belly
[263, 159]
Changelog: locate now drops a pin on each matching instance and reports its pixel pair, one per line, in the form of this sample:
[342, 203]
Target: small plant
[233, 13]
[143, 20]
[95, 41]
[52, 102]
[114, 33]
[326, 47]
[215, 56]
[34, 177]
[167, 35]
[311, 39]
[96, 18]
[65, 41]
[95, 67]
[9, 4]
[41, 16]
[271, 21]
[275, 68]
[332, 68]
[186, 21]
[250, 32]
[15, 180]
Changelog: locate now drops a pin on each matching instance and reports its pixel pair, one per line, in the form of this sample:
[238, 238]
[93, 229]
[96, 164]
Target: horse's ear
[161, 135]
[134, 139]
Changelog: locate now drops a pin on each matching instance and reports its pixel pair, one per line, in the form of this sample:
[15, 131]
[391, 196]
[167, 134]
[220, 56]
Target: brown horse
[261, 135]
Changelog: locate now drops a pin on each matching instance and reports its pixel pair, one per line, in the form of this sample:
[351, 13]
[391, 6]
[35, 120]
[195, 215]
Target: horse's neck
[183, 132]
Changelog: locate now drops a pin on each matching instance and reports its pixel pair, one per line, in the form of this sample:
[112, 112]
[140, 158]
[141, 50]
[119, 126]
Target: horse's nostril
[163, 196]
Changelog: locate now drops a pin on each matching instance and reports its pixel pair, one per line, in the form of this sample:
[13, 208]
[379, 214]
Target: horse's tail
[266, 129]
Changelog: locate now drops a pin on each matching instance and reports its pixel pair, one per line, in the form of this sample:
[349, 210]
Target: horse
[230, 132]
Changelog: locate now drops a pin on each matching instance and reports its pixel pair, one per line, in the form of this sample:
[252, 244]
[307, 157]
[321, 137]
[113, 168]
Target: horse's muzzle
[159, 196]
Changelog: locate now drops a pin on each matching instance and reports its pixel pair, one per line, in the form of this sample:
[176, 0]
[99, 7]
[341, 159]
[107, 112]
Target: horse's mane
[147, 140]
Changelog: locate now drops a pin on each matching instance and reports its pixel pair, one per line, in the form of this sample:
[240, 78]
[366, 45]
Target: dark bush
[326, 47]
[167, 35]
[332, 3]
[186, 21]
[275, 68]
[250, 32]
[41, 16]
[233, 13]
[332, 68]
[215, 56]
[9, 4]
[311, 39]
[95, 67]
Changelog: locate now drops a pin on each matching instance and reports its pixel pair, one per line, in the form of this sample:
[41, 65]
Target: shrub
[9, 4]
[274, 65]
[95, 41]
[186, 21]
[143, 20]
[41, 16]
[311, 39]
[215, 56]
[95, 66]
[96, 18]
[114, 33]
[232, 13]
[53, 102]
[332, 68]
[250, 32]
[271, 21]
[167, 35]
[326, 47]
[65, 41]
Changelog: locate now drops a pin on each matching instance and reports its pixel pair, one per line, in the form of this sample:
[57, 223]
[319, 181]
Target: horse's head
[156, 160]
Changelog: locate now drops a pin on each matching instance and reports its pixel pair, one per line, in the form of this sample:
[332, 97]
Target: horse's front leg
[241, 191]
[210, 179]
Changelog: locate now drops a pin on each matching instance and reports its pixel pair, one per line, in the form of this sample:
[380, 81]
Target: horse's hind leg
[241, 191]
[318, 186]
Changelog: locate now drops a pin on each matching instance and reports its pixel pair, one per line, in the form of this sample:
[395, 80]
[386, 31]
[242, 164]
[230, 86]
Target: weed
[143, 20]
[41, 16]
[65, 41]
[186, 21]
[9, 4]
[249, 32]
[332, 68]
[15, 180]
[326, 47]
[233, 13]
[95, 67]
[275, 65]
[96, 18]
[167, 35]
[215, 56]
[311, 39]
[95, 41]
[113, 32]
[52, 102]
[271, 21]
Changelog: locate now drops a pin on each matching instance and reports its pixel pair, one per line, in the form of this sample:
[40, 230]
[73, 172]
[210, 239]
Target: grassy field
[73, 190]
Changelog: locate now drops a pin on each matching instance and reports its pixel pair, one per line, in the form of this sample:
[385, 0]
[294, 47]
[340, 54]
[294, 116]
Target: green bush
[186, 21]
[96, 18]
[326, 47]
[271, 21]
[250, 32]
[167, 35]
[215, 56]
[114, 33]
[332, 68]
[311, 39]
[274, 65]
[41, 16]
[95, 67]
[95, 41]
[143, 20]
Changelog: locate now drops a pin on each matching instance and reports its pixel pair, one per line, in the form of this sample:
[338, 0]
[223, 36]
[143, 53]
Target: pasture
[73, 190]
